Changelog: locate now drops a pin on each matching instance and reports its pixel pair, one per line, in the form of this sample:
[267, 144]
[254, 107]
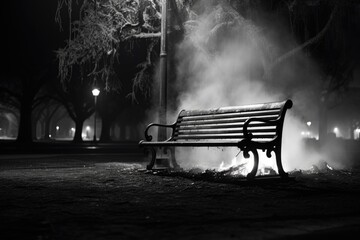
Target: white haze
[218, 78]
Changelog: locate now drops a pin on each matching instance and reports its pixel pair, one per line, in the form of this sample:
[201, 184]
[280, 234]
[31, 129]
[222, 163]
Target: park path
[107, 197]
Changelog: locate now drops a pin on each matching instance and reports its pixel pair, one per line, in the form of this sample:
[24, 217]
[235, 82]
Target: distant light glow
[307, 134]
[95, 92]
[49, 135]
[336, 130]
[72, 129]
[308, 123]
[87, 128]
[357, 133]
[57, 128]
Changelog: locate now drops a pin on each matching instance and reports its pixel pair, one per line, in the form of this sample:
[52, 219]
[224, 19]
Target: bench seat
[250, 128]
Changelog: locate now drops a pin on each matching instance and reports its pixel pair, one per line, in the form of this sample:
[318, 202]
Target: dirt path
[92, 198]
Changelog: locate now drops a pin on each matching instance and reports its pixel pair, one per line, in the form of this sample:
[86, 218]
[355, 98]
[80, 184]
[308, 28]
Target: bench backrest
[227, 123]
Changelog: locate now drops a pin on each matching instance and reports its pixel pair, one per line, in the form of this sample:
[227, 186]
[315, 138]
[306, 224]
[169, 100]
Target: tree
[313, 27]
[110, 105]
[43, 113]
[101, 27]
[21, 94]
[9, 118]
[78, 101]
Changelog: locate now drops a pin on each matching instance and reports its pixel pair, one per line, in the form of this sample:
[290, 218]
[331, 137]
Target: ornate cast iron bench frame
[250, 128]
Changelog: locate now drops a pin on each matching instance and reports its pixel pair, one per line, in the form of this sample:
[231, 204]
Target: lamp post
[308, 123]
[95, 93]
[163, 70]
[57, 131]
[336, 131]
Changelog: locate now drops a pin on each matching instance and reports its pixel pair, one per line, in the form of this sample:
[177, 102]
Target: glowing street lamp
[357, 133]
[336, 131]
[308, 123]
[87, 132]
[95, 93]
[57, 130]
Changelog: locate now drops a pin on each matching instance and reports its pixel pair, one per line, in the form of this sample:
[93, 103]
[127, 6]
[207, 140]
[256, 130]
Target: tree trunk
[25, 127]
[352, 129]
[34, 128]
[79, 123]
[122, 134]
[47, 128]
[36, 120]
[105, 130]
[323, 119]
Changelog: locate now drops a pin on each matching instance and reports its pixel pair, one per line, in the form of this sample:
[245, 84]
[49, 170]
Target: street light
[87, 129]
[308, 123]
[95, 93]
[163, 70]
[357, 133]
[336, 131]
[57, 131]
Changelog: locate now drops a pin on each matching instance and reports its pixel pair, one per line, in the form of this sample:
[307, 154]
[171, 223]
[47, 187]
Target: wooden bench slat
[253, 107]
[224, 125]
[225, 130]
[221, 121]
[221, 136]
[260, 113]
[198, 143]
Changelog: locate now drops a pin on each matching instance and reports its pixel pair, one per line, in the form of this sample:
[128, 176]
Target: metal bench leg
[173, 159]
[253, 172]
[153, 158]
[282, 173]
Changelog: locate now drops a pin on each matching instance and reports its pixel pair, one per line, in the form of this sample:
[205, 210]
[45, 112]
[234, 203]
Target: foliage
[97, 33]
[102, 26]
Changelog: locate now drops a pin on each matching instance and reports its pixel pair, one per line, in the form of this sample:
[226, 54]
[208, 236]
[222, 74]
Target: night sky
[30, 36]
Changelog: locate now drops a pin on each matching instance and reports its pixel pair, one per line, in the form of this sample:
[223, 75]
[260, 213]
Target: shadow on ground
[107, 197]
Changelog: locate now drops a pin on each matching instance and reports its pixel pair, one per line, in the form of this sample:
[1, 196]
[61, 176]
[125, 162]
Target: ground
[108, 197]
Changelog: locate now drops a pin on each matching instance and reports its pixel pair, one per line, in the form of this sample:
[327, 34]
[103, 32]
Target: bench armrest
[255, 119]
[149, 137]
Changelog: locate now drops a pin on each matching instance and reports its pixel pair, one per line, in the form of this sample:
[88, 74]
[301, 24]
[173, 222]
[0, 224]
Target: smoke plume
[222, 62]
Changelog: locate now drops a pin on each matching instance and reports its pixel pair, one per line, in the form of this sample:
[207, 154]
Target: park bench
[250, 128]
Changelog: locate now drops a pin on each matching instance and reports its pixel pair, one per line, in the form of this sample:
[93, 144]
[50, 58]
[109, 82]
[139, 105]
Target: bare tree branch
[315, 39]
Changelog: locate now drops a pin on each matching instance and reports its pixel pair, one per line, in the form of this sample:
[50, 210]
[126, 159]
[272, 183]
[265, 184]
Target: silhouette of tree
[43, 114]
[101, 27]
[76, 97]
[21, 93]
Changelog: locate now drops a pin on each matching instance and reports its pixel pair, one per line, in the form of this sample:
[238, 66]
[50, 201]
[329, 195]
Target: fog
[224, 64]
